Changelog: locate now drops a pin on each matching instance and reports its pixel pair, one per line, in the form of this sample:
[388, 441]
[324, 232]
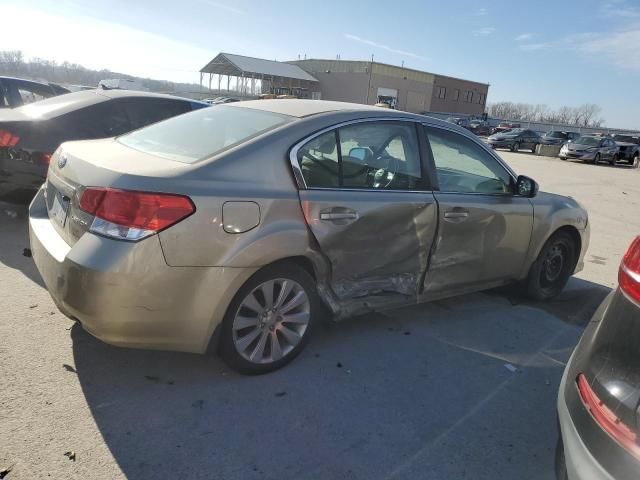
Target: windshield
[515, 131]
[201, 134]
[591, 141]
[555, 135]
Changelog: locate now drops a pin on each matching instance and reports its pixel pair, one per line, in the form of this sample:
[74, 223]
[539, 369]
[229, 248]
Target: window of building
[468, 96]
[463, 166]
[372, 155]
[456, 94]
[442, 92]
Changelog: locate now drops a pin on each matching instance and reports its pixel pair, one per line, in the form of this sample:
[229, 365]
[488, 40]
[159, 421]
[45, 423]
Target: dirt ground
[459, 388]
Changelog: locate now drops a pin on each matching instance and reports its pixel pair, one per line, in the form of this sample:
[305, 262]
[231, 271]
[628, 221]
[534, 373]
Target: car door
[483, 227]
[368, 205]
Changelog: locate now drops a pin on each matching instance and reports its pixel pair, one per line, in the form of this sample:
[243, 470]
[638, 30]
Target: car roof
[305, 108]
[69, 102]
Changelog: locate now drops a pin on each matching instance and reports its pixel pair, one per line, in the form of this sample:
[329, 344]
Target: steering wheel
[383, 177]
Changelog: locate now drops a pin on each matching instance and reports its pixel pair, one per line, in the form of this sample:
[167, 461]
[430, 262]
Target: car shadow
[575, 305]
[383, 395]
[14, 238]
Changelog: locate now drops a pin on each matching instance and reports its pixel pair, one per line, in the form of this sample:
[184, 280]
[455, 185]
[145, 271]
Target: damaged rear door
[369, 207]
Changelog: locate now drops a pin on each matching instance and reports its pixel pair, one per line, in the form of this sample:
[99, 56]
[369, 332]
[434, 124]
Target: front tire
[613, 160]
[270, 319]
[551, 271]
[533, 148]
[515, 147]
[635, 161]
[596, 159]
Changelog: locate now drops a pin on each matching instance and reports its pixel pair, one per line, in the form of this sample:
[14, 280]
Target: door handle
[331, 216]
[456, 214]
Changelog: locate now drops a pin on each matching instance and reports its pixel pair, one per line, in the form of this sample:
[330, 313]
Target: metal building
[348, 81]
[402, 88]
[254, 76]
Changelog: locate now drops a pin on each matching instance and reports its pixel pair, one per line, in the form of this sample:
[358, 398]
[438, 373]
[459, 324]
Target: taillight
[129, 215]
[8, 139]
[41, 158]
[629, 272]
[621, 433]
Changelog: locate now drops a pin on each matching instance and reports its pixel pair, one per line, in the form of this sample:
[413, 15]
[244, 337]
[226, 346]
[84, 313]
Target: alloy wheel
[271, 321]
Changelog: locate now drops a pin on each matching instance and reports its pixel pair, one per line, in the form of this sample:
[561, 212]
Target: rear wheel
[515, 147]
[553, 267]
[270, 319]
[533, 148]
[635, 161]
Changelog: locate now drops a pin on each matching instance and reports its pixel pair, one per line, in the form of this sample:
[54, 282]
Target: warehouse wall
[417, 91]
[457, 95]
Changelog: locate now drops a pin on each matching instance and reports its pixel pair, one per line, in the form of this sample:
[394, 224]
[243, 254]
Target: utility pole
[370, 72]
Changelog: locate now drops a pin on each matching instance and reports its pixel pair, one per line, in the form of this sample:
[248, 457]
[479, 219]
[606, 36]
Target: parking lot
[459, 388]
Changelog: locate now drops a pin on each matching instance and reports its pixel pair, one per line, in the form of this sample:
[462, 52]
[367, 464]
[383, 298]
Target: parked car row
[30, 134]
[595, 149]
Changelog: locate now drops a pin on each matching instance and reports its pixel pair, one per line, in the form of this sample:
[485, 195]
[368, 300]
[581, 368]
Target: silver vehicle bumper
[124, 293]
[580, 463]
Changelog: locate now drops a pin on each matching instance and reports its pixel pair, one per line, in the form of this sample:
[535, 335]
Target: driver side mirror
[526, 187]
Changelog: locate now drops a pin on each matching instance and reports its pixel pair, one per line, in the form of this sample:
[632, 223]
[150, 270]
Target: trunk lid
[100, 163]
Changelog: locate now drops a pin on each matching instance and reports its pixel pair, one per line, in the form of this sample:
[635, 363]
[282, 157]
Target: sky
[556, 53]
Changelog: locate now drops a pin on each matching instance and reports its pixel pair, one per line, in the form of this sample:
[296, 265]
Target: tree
[583, 116]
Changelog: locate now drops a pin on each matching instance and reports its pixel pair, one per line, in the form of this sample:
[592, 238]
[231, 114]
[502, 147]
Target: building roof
[367, 63]
[239, 65]
[305, 108]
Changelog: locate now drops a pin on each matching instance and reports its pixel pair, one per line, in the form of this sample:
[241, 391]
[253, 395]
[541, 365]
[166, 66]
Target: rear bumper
[125, 294]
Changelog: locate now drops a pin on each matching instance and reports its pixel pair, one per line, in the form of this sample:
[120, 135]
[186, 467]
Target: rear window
[203, 133]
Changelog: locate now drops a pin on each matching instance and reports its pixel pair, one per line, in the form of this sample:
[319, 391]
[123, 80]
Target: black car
[599, 397]
[628, 148]
[556, 137]
[515, 139]
[15, 92]
[30, 134]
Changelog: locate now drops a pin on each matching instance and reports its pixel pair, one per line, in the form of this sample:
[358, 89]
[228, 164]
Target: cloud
[381, 46]
[619, 48]
[620, 9]
[484, 31]
[523, 37]
[481, 12]
[222, 6]
[530, 47]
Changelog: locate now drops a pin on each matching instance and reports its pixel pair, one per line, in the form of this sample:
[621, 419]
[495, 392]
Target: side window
[381, 155]
[29, 96]
[145, 111]
[464, 167]
[102, 120]
[318, 160]
[371, 155]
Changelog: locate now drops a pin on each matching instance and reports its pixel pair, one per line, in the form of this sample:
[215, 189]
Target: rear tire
[515, 147]
[551, 270]
[267, 336]
[635, 161]
[533, 148]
